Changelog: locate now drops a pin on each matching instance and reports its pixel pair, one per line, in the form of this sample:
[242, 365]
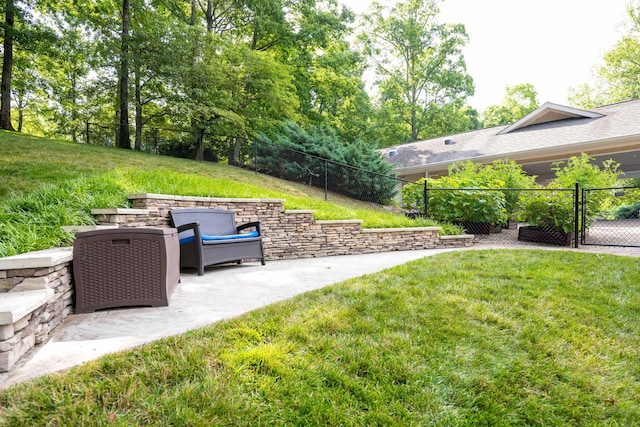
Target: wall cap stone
[458, 237]
[119, 211]
[80, 228]
[38, 259]
[299, 211]
[400, 229]
[339, 221]
[16, 305]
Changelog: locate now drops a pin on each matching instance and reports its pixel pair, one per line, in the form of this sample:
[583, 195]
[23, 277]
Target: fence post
[255, 155]
[326, 180]
[425, 196]
[576, 211]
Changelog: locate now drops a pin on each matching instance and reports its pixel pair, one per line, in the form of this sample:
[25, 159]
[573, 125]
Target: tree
[617, 80]
[328, 71]
[418, 61]
[7, 66]
[149, 58]
[519, 101]
[123, 79]
[64, 75]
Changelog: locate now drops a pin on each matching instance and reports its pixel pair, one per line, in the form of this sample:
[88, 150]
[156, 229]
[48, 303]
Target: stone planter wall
[37, 294]
[287, 234]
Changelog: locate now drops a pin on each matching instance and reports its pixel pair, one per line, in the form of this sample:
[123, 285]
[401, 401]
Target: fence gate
[615, 222]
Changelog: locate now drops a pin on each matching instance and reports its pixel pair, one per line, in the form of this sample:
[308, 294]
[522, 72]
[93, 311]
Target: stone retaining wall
[287, 234]
[37, 295]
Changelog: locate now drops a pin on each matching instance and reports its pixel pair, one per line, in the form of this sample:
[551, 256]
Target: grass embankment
[48, 183]
[499, 337]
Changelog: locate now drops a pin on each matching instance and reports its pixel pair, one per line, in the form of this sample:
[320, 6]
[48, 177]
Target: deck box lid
[132, 231]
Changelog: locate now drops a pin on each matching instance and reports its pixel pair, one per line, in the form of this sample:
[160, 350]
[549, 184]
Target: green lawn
[495, 337]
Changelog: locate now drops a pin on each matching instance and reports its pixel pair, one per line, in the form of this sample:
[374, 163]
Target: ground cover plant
[48, 184]
[492, 337]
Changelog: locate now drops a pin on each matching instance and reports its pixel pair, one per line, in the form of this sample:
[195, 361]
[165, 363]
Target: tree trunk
[138, 95]
[233, 155]
[74, 111]
[20, 120]
[200, 145]
[209, 16]
[138, 137]
[7, 67]
[123, 128]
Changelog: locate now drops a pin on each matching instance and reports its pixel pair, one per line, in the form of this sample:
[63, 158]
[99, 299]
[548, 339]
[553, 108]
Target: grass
[458, 339]
[49, 183]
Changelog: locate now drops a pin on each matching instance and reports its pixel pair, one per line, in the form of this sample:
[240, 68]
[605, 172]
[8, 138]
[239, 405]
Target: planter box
[471, 227]
[549, 235]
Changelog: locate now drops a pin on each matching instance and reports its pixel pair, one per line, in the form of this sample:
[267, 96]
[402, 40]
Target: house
[552, 132]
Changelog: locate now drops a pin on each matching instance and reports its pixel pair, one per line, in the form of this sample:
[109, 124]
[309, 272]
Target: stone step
[17, 305]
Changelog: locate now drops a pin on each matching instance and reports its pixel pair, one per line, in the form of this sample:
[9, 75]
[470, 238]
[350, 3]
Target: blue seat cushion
[225, 237]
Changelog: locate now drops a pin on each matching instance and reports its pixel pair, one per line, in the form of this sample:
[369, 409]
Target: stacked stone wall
[35, 299]
[286, 234]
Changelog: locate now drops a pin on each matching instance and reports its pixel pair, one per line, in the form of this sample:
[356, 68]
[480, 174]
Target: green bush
[555, 208]
[627, 211]
[299, 156]
[461, 204]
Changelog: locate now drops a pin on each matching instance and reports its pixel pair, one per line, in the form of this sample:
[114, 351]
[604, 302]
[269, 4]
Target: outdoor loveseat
[210, 236]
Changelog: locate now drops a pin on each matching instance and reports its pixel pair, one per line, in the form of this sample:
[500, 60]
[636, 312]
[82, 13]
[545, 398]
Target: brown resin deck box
[125, 267]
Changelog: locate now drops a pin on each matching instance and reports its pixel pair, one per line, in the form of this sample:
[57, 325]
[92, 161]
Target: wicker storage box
[125, 267]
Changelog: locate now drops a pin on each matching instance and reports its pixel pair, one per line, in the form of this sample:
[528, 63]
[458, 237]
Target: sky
[552, 44]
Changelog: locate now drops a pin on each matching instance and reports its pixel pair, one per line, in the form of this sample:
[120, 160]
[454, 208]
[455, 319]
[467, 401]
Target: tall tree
[617, 79]
[7, 65]
[417, 59]
[519, 101]
[123, 79]
[64, 76]
[24, 39]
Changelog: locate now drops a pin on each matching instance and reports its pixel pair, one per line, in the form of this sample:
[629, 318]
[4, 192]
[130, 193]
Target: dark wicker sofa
[210, 236]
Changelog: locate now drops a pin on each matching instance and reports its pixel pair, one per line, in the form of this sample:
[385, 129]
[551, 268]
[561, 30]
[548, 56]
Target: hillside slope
[48, 183]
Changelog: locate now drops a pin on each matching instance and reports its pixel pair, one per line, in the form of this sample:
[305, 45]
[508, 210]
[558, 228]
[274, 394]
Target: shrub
[627, 211]
[555, 209]
[299, 156]
[458, 205]
[461, 205]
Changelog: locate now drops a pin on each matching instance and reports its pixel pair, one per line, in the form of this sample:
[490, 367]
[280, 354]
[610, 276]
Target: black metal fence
[331, 177]
[616, 221]
[509, 216]
[549, 216]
